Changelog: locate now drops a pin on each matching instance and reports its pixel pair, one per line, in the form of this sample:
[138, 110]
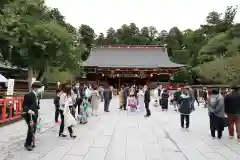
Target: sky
[103, 14]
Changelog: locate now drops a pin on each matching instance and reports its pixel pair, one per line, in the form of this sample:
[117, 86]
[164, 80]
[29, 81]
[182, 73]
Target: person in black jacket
[107, 94]
[185, 107]
[147, 100]
[57, 105]
[125, 97]
[79, 96]
[232, 109]
[30, 108]
[164, 97]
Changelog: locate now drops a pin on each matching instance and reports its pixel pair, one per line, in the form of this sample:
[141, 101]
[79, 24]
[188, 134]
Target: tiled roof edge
[131, 46]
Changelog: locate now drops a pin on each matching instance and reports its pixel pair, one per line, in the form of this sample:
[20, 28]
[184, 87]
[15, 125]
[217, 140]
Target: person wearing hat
[30, 108]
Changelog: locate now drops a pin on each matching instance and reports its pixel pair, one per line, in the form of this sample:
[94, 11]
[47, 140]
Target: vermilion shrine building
[129, 64]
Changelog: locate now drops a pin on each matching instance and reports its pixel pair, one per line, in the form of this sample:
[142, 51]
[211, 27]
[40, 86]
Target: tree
[111, 36]
[36, 39]
[144, 32]
[87, 38]
[100, 39]
[152, 33]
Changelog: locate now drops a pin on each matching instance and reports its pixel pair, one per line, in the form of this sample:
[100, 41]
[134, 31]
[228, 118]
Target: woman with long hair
[67, 119]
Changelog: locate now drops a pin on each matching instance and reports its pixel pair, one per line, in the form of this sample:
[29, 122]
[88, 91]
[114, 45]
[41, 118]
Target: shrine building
[129, 64]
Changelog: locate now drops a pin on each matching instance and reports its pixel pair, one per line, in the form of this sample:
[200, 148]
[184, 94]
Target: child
[185, 108]
[84, 111]
[132, 103]
[57, 105]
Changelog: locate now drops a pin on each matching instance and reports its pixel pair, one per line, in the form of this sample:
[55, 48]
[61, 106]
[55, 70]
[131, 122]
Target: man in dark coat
[125, 96]
[164, 98]
[80, 94]
[232, 109]
[107, 95]
[30, 109]
[147, 100]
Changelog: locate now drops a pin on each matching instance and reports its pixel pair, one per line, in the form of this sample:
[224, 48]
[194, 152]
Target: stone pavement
[121, 135]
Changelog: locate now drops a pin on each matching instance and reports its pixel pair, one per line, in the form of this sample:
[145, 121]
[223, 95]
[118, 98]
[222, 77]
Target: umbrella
[3, 79]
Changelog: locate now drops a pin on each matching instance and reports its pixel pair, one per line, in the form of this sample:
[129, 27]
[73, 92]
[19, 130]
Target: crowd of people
[223, 105]
[73, 103]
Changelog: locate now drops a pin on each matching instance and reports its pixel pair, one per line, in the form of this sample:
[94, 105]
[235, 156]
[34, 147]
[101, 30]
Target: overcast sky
[103, 14]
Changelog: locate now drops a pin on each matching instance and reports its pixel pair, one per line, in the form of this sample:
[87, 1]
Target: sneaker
[187, 129]
[231, 137]
[182, 128]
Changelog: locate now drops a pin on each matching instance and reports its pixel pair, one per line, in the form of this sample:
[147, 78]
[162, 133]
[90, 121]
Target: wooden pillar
[97, 80]
[119, 82]
[105, 79]
[148, 79]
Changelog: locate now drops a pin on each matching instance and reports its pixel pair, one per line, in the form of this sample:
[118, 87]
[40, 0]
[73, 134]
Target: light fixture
[102, 74]
[151, 75]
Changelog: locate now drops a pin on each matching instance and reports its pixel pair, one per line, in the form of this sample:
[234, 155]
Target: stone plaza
[120, 135]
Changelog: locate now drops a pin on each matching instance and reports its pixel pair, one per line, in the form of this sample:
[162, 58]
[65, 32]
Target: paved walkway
[121, 135]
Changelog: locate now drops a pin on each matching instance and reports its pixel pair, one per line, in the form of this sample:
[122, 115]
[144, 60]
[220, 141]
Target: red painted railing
[10, 109]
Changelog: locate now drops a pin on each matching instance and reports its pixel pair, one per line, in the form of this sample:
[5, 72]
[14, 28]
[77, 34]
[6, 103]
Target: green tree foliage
[35, 37]
[225, 71]
[216, 40]
[87, 38]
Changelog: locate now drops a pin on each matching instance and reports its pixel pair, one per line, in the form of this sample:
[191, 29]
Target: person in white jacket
[67, 119]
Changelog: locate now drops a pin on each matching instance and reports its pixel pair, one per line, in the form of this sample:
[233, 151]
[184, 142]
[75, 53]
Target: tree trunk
[30, 76]
[40, 74]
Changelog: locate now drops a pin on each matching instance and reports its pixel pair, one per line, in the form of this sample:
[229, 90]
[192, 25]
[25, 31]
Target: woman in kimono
[121, 98]
[95, 99]
[164, 97]
[157, 97]
[67, 119]
[141, 99]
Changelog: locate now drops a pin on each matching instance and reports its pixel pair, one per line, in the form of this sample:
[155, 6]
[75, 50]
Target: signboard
[10, 87]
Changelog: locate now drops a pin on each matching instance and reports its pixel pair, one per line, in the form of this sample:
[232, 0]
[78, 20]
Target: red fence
[10, 109]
